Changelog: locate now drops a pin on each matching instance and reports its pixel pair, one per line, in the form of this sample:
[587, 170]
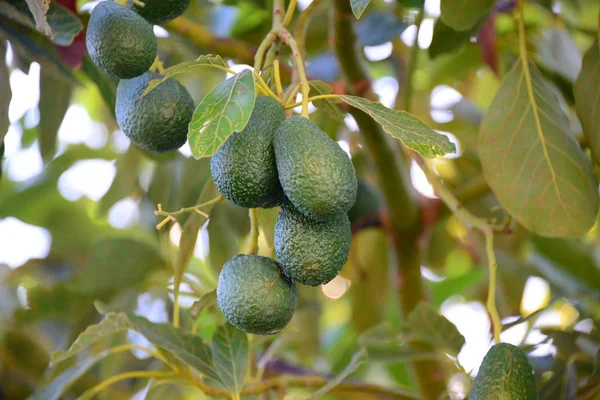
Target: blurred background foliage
[77, 202]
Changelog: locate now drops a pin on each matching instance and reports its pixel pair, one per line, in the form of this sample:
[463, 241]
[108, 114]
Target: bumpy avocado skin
[311, 252]
[315, 173]
[119, 41]
[244, 168]
[159, 121]
[159, 11]
[505, 374]
[255, 295]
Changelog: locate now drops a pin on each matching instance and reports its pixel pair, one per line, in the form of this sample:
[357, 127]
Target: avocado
[244, 168]
[311, 252]
[255, 295]
[315, 173]
[158, 121]
[159, 11]
[119, 41]
[505, 374]
[368, 202]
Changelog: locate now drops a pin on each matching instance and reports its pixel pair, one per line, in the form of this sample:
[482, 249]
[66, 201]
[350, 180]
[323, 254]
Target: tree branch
[404, 214]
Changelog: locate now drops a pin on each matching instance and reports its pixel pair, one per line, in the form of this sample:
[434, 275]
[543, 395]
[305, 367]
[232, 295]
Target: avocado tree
[343, 199]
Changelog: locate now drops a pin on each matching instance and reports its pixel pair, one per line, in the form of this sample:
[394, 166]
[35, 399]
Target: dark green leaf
[39, 8]
[379, 27]
[359, 6]
[428, 325]
[462, 15]
[410, 130]
[224, 111]
[111, 324]
[357, 360]
[5, 93]
[55, 98]
[64, 23]
[116, 263]
[587, 100]
[186, 67]
[532, 161]
[18, 12]
[445, 39]
[230, 355]
[58, 385]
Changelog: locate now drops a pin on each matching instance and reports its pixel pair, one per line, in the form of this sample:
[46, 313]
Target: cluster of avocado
[505, 373]
[288, 162]
[121, 41]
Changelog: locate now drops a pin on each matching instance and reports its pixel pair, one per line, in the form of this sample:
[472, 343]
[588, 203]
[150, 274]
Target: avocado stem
[253, 243]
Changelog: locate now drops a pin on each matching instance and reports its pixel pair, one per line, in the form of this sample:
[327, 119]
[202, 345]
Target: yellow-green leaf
[464, 14]
[224, 111]
[207, 60]
[230, 356]
[411, 131]
[587, 97]
[533, 162]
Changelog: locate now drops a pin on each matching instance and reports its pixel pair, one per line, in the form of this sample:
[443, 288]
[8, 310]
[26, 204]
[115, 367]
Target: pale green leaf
[230, 355]
[427, 325]
[207, 60]
[464, 14]
[64, 23]
[207, 300]
[224, 111]
[54, 389]
[533, 162]
[187, 348]
[587, 97]
[330, 105]
[5, 93]
[39, 8]
[55, 98]
[410, 130]
[116, 263]
[111, 324]
[357, 359]
[359, 7]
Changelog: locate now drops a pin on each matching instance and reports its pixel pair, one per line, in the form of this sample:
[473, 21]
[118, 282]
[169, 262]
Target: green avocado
[505, 374]
[159, 121]
[315, 173]
[119, 41]
[255, 295]
[311, 252]
[159, 11]
[244, 168]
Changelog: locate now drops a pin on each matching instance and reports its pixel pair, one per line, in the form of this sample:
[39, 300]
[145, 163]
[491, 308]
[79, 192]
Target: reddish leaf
[487, 40]
[73, 54]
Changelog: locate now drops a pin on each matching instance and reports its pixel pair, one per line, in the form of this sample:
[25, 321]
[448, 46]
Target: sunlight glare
[91, 178]
[22, 242]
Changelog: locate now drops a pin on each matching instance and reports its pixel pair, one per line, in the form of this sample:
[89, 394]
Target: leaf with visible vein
[54, 389]
[39, 8]
[359, 7]
[207, 60]
[318, 88]
[111, 324]
[426, 324]
[224, 111]
[587, 97]
[532, 161]
[462, 15]
[230, 356]
[64, 23]
[411, 131]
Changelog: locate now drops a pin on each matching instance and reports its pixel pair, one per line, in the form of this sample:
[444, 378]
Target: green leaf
[5, 94]
[426, 324]
[206, 301]
[410, 130]
[533, 162]
[107, 85]
[55, 98]
[58, 385]
[65, 25]
[111, 324]
[329, 105]
[445, 39]
[462, 15]
[116, 263]
[558, 51]
[185, 67]
[39, 8]
[357, 359]
[587, 100]
[224, 111]
[230, 355]
[186, 347]
[359, 7]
